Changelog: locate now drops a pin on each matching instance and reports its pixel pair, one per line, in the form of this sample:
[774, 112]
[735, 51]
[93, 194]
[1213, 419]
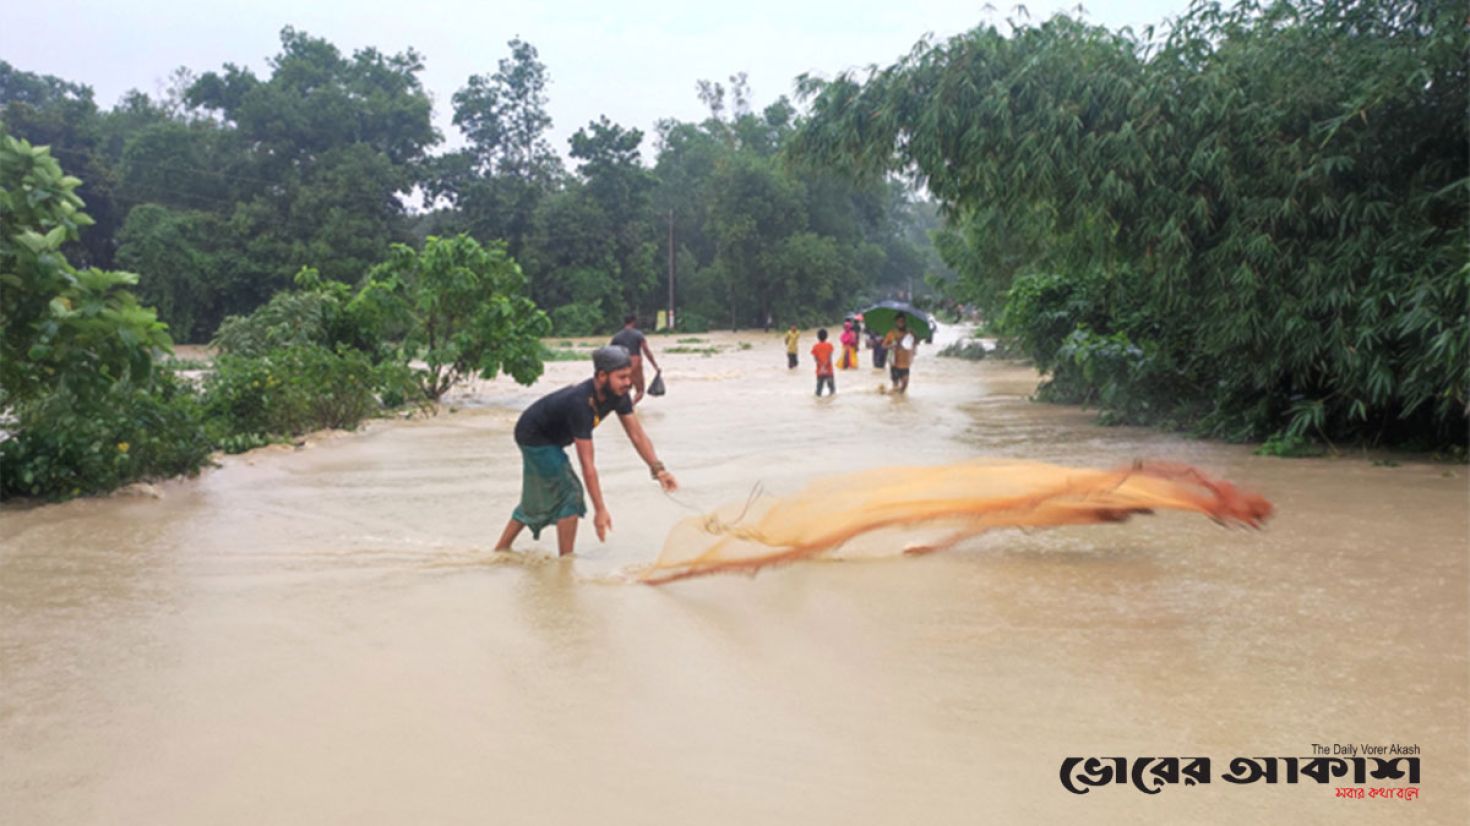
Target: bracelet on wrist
[655, 469]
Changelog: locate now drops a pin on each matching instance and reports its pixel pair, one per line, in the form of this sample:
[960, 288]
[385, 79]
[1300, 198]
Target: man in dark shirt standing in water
[550, 492]
[630, 338]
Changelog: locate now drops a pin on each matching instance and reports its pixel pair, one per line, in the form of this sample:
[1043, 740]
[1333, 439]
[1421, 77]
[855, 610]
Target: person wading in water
[901, 345]
[550, 491]
[631, 338]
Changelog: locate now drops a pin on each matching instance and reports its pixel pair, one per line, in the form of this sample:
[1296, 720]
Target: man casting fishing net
[550, 491]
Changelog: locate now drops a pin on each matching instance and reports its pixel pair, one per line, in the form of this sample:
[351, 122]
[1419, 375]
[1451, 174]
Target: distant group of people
[898, 342]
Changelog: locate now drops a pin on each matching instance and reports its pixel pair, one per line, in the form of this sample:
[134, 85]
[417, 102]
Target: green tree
[616, 181]
[85, 409]
[498, 181]
[754, 209]
[48, 111]
[184, 280]
[317, 157]
[570, 240]
[745, 212]
[459, 307]
[61, 328]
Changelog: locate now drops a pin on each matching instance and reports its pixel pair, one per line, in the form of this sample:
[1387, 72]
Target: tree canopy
[222, 187]
[1259, 218]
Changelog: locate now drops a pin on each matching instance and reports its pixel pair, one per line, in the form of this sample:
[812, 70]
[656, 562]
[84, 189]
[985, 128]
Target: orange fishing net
[924, 509]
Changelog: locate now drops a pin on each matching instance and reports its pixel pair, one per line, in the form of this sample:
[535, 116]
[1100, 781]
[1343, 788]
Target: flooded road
[322, 635]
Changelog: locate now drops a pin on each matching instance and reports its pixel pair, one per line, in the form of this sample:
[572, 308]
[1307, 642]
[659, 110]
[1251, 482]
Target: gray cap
[610, 358]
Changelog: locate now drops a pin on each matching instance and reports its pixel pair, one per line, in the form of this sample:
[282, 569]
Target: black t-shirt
[569, 413]
[630, 339]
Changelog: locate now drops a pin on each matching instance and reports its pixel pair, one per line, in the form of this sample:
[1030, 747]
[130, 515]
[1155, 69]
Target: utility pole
[671, 270]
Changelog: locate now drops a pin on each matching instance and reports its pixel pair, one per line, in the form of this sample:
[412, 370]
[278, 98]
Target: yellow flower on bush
[122, 447]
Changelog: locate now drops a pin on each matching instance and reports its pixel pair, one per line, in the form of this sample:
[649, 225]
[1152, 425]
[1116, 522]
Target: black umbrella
[880, 318]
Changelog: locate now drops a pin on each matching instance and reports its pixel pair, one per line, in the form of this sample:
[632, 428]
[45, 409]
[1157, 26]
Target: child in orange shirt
[822, 352]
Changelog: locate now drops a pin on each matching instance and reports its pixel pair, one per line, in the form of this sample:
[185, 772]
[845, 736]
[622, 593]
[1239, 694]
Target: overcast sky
[635, 61]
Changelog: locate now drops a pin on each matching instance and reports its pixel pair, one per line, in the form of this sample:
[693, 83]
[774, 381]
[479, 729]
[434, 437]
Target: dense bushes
[62, 447]
[1044, 308]
[289, 319]
[289, 391]
[578, 320]
[691, 321]
[317, 313]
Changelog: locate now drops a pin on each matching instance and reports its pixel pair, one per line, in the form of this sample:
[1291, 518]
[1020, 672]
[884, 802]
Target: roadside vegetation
[92, 401]
[1254, 225]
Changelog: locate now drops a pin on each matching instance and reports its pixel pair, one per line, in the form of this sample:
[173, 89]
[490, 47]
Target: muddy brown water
[321, 635]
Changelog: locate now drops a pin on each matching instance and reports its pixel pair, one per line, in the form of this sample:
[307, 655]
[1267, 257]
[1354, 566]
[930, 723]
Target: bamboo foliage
[1268, 204]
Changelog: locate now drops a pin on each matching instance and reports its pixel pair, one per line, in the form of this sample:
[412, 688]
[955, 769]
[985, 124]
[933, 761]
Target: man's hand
[666, 481]
[603, 522]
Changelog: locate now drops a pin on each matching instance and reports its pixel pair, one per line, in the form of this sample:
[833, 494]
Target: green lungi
[550, 491]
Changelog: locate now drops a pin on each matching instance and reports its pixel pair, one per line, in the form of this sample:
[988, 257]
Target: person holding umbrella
[903, 326]
[901, 344]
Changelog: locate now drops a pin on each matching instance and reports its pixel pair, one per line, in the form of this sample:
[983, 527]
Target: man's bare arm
[648, 354]
[602, 520]
[644, 446]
